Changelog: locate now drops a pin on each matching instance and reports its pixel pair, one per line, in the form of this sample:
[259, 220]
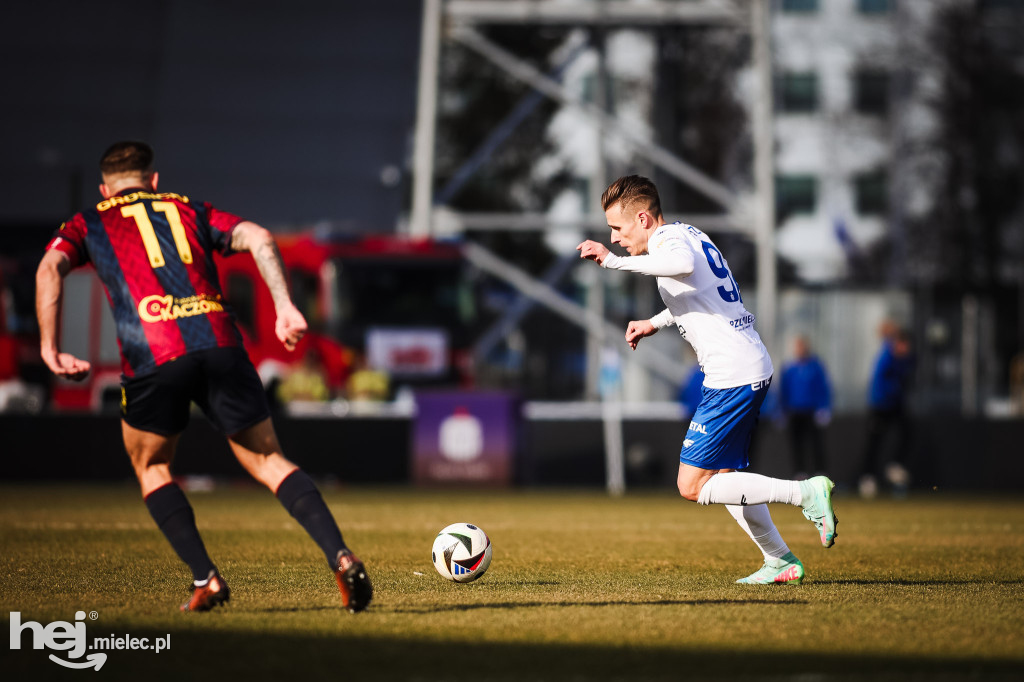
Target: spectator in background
[887, 403]
[689, 393]
[367, 384]
[305, 382]
[806, 401]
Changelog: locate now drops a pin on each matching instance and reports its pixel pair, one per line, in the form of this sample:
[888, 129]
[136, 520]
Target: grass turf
[581, 587]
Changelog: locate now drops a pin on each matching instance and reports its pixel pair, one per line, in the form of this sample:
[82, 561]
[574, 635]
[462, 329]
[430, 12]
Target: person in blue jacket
[689, 393]
[887, 404]
[806, 401]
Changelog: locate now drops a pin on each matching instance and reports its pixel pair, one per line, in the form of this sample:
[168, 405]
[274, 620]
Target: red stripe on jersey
[204, 278]
[69, 239]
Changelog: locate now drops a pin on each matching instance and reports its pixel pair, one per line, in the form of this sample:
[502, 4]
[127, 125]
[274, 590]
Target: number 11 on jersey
[156, 257]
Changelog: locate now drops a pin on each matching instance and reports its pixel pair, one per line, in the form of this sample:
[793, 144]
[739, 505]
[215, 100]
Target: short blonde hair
[630, 189]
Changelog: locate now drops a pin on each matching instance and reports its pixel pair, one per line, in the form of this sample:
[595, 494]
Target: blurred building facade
[836, 124]
[865, 160]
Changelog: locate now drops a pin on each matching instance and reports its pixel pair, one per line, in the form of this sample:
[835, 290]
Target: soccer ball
[461, 552]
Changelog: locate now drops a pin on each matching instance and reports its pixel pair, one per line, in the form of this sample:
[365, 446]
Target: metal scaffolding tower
[455, 20]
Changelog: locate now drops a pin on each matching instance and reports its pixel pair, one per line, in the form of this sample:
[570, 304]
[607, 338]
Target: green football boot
[817, 503]
[785, 571]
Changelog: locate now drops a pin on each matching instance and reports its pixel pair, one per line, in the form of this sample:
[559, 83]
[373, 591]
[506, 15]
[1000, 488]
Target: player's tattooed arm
[260, 243]
[268, 260]
[291, 325]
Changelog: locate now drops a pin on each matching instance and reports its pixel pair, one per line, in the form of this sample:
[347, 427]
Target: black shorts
[221, 381]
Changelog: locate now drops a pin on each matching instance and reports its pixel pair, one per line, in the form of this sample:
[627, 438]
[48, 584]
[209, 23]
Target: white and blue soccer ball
[461, 552]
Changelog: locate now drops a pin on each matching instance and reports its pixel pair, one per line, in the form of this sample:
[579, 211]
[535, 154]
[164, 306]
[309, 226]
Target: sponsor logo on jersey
[742, 322]
[158, 308]
[699, 428]
[688, 443]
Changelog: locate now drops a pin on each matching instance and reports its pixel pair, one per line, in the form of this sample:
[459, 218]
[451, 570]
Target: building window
[804, 6]
[873, 6]
[798, 92]
[871, 92]
[871, 193]
[795, 194]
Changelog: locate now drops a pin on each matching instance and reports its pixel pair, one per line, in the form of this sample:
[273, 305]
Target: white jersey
[703, 300]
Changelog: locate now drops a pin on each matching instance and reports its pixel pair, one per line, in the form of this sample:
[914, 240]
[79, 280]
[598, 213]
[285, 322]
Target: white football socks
[742, 488]
[756, 521]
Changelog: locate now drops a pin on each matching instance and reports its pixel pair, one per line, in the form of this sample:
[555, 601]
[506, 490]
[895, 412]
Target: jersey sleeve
[69, 239]
[668, 256]
[220, 224]
[663, 319]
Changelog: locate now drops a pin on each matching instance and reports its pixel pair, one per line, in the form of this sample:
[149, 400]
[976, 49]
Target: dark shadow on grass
[563, 604]
[294, 609]
[532, 605]
[931, 582]
[200, 653]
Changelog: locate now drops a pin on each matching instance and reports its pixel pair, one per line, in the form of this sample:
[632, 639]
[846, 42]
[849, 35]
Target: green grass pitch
[582, 586]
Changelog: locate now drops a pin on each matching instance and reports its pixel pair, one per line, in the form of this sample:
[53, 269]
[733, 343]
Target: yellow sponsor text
[135, 196]
[158, 308]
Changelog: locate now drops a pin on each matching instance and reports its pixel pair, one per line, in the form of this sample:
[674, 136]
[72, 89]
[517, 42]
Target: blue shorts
[722, 425]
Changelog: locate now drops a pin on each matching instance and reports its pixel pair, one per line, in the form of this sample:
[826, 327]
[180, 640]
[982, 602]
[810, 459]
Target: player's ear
[105, 191]
[153, 179]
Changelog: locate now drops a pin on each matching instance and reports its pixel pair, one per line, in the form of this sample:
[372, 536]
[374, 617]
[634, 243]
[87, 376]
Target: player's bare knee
[688, 492]
[269, 470]
[144, 460]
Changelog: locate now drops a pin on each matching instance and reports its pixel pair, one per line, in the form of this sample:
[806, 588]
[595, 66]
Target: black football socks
[173, 514]
[300, 497]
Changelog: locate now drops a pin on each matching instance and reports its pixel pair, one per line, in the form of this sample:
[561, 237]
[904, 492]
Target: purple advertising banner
[464, 437]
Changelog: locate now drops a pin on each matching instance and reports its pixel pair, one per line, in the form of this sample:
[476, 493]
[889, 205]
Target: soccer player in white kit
[703, 300]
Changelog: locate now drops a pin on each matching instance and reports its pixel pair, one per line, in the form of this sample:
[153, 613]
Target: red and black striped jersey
[154, 254]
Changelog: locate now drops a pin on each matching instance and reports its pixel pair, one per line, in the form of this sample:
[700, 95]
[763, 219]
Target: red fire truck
[402, 307]
[23, 377]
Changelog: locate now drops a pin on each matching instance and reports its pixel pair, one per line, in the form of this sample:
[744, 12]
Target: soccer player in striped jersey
[153, 251]
[703, 300]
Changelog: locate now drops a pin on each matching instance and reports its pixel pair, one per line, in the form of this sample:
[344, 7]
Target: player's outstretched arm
[248, 236]
[638, 329]
[49, 294]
